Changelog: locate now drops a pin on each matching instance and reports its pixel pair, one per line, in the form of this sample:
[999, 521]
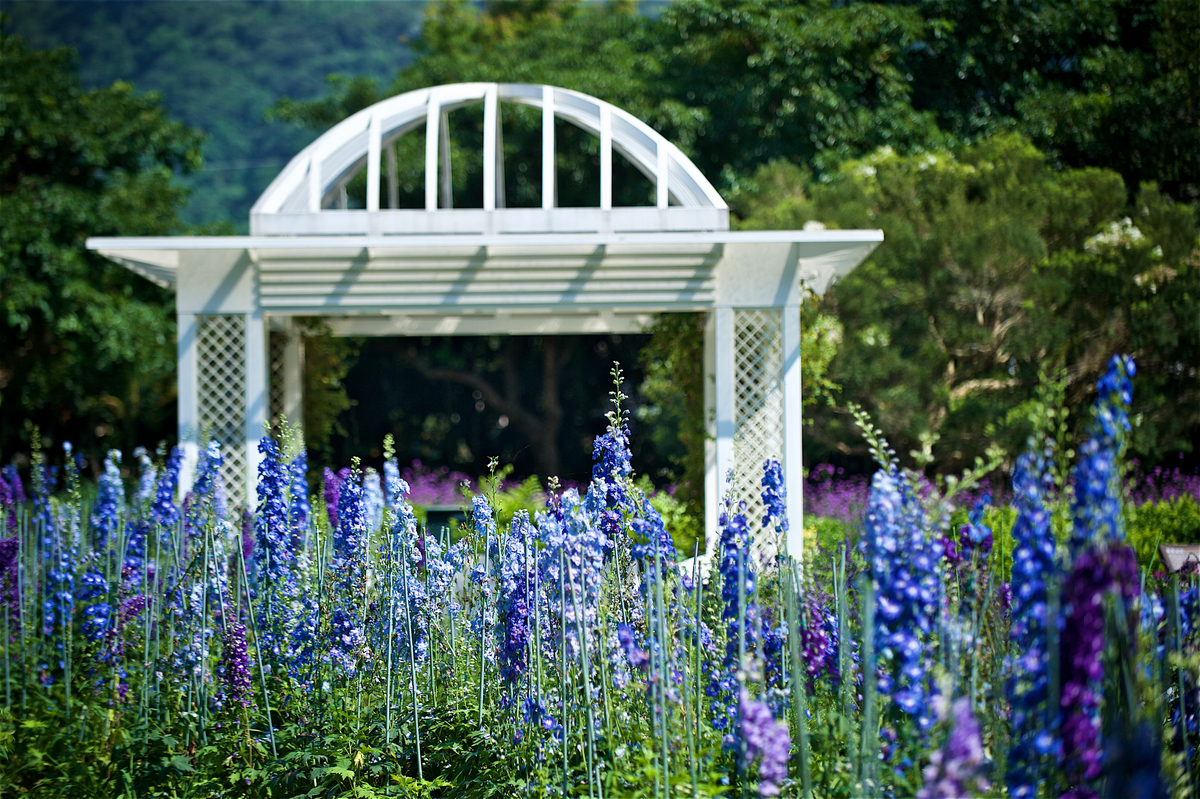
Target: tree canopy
[87, 349]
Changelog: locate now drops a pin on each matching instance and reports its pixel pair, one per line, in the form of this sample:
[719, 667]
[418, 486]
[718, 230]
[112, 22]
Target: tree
[87, 349]
[997, 269]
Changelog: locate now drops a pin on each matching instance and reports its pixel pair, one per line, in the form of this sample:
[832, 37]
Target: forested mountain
[220, 65]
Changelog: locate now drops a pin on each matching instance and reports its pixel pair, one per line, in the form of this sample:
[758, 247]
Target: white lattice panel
[758, 414]
[221, 394]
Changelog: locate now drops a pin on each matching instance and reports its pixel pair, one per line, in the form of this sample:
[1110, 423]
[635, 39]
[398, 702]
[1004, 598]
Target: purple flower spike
[768, 738]
[954, 770]
[236, 663]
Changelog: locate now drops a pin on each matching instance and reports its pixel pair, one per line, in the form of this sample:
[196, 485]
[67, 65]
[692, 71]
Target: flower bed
[329, 645]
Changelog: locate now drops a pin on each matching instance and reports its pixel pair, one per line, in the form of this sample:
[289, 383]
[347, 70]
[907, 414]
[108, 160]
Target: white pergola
[387, 271]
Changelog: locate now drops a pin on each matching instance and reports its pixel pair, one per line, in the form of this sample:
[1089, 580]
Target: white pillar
[491, 125]
[187, 330]
[662, 175]
[723, 411]
[549, 192]
[793, 416]
[256, 398]
[374, 155]
[605, 157]
[433, 116]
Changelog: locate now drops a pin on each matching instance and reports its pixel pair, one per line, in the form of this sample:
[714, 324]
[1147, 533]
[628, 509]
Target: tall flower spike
[903, 567]
[1096, 507]
[298, 504]
[273, 535]
[1034, 742]
[765, 737]
[110, 499]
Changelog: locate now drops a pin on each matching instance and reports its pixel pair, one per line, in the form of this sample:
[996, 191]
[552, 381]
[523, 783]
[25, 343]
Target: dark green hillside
[220, 65]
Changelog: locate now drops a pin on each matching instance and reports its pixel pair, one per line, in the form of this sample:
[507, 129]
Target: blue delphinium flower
[1034, 743]
[373, 498]
[97, 612]
[349, 555]
[767, 740]
[299, 508]
[272, 533]
[1096, 506]
[163, 512]
[611, 471]
[903, 567]
[774, 497]
[516, 586]
[569, 535]
[147, 474]
[110, 500]
[736, 569]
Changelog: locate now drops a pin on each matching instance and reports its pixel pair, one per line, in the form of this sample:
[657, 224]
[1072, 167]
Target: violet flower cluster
[766, 741]
[955, 770]
[110, 500]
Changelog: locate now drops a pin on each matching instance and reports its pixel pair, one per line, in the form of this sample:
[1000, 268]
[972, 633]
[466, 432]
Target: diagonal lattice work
[221, 394]
[277, 345]
[757, 415]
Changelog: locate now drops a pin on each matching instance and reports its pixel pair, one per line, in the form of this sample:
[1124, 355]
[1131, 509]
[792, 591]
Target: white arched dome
[305, 197]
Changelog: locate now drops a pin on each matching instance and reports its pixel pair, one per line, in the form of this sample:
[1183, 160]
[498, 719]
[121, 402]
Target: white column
[447, 176]
[712, 483]
[432, 137]
[187, 326]
[793, 417]
[723, 411]
[374, 147]
[314, 180]
[256, 398]
[605, 157]
[293, 377]
[662, 175]
[549, 191]
[490, 126]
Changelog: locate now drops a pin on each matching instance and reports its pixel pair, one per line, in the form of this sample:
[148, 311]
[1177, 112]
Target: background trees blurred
[1035, 168]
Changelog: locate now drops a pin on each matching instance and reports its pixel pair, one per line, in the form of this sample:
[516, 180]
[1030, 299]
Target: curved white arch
[301, 198]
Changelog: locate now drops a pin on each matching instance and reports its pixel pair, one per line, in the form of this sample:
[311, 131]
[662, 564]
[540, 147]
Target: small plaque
[1176, 556]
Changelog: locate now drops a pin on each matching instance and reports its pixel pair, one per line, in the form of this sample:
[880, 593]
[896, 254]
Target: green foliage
[976, 292]
[1169, 521]
[87, 348]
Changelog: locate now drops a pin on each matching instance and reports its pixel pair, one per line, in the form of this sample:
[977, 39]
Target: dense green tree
[87, 349]
[997, 269]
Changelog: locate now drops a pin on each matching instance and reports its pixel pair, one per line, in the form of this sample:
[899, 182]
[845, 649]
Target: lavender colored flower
[13, 478]
[235, 662]
[333, 493]
[373, 498]
[10, 584]
[110, 499]
[766, 740]
[954, 771]
[818, 637]
[1034, 743]
[569, 535]
[8, 505]
[1096, 574]
[637, 657]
